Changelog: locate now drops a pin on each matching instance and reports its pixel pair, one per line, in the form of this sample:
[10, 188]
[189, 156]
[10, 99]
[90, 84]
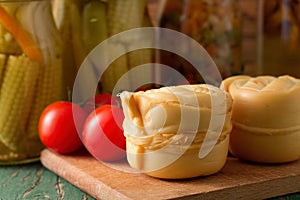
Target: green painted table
[33, 181]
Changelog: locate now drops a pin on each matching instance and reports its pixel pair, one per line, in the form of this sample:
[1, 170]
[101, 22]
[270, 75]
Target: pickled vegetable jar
[30, 75]
[215, 24]
[279, 42]
[83, 24]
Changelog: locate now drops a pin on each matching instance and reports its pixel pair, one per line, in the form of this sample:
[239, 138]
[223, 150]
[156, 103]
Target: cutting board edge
[104, 191]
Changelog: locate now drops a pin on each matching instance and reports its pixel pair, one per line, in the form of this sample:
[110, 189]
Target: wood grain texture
[237, 180]
[33, 181]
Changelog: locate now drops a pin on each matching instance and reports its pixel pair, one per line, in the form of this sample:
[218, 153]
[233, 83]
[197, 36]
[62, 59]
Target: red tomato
[59, 126]
[100, 100]
[102, 133]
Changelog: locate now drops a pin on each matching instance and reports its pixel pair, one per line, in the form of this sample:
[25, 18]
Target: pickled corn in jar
[83, 24]
[30, 76]
[215, 24]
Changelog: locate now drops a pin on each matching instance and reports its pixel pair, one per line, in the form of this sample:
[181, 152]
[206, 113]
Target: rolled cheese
[165, 129]
[265, 117]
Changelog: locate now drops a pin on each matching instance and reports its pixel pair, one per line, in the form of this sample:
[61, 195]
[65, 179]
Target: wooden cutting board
[118, 181]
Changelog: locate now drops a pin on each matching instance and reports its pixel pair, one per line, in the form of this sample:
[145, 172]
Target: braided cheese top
[265, 101]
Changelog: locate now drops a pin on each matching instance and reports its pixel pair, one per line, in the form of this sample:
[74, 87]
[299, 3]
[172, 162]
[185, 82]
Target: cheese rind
[265, 108]
[278, 148]
[265, 101]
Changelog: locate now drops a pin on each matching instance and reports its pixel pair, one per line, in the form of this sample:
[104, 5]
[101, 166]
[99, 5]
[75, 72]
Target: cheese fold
[184, 108]
[166, 129]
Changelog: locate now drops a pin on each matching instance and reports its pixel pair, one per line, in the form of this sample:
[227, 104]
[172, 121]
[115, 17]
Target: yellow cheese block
[266, 118]
[169, 128]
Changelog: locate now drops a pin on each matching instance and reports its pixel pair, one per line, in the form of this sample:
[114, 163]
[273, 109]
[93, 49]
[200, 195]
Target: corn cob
[79, 53]
[114, 72]
[124, 15]
[144, 56]
[69, 26]
[140, 57]
[62, 13]
[30, 83]
[49, 89]
[78, 47]
[11, 102]
[2, 65]
[94, 24]
[49, 84]
[4, 151]
[24, 78]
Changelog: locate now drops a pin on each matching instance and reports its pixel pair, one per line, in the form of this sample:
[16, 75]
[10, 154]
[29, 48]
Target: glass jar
[215, 24]
[279, 37]
[30, 75]
[83, 24]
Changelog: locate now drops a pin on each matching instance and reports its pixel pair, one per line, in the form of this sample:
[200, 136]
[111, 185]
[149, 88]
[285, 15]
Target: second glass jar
[84, 24]
[215, 24]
